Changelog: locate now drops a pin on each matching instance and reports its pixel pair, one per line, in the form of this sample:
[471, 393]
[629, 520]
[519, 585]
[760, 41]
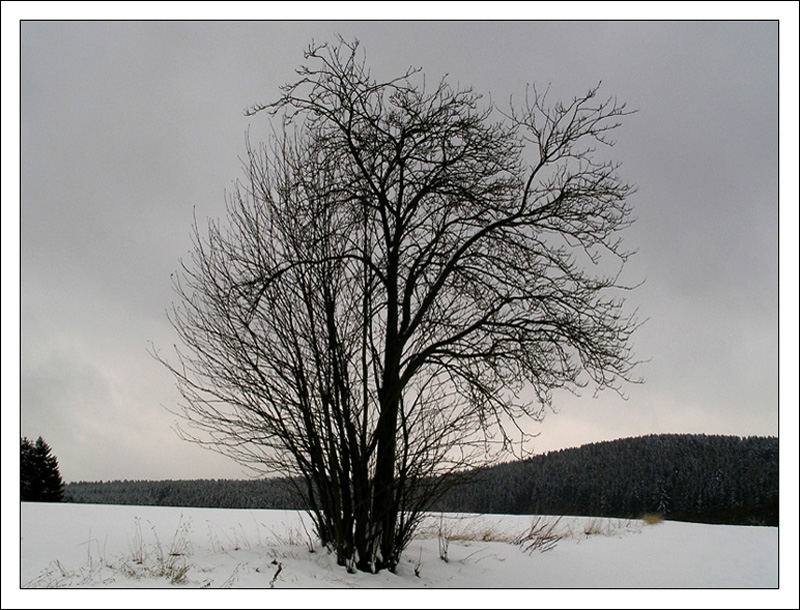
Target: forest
[689, 477]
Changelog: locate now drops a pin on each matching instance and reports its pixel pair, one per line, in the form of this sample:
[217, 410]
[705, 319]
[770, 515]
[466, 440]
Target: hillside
[704, 478]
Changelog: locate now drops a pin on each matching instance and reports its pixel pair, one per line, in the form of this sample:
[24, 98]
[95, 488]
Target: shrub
[652, 518]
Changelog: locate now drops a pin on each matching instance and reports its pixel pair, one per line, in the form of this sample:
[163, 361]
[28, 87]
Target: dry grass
[544, 533]
[154, 560]
[542, 536]
[464, 529]
[606, 527]
[652, 518]
[142, 561]
[96, 570]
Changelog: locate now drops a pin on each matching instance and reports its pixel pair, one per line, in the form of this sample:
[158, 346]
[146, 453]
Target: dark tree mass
[704, 478]
[201, 493]
[40, 479]
[711, 479]
[404, 276]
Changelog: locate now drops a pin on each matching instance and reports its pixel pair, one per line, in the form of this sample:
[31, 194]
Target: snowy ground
[99, 546]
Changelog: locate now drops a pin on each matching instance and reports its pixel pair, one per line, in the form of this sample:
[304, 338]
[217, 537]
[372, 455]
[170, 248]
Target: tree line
[200, 493]
[702, 478]
[691, 477]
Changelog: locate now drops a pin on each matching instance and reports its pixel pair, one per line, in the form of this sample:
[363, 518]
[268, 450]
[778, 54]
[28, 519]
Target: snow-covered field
[100, 546]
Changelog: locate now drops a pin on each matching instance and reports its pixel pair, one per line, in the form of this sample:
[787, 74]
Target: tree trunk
[384, 506]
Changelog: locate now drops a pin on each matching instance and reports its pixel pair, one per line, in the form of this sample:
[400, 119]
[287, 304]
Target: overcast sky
[127, 127]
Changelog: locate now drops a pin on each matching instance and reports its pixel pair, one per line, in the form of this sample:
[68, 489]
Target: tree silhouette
[404, 278]
[40, 479]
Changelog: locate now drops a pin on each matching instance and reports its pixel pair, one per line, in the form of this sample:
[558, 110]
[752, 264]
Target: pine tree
[661, 498]
[40, 479]
[28, 471]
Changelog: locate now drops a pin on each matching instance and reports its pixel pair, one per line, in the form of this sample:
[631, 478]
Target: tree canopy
[404, 277]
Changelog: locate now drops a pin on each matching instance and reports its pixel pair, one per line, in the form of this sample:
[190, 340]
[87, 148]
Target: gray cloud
[128, 126]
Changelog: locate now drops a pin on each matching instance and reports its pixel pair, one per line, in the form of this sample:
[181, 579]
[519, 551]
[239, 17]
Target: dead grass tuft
[542, 536]
[652, 518]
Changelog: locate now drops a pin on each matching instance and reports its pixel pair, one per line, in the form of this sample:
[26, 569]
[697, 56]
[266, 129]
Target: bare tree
[403, 279]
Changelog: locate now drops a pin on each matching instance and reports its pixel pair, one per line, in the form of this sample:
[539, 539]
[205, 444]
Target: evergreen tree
[40, 479]
[28, 471]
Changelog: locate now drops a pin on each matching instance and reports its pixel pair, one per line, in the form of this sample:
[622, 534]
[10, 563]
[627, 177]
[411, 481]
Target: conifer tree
[28, 471]
[40, 479]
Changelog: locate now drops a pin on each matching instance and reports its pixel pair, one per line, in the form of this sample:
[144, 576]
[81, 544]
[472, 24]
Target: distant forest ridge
[690, 477]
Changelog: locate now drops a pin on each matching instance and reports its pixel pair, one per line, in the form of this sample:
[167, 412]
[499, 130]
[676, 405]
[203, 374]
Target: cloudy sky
[126, 127]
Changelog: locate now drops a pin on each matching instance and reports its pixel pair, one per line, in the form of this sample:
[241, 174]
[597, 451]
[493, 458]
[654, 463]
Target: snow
[103, 546]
